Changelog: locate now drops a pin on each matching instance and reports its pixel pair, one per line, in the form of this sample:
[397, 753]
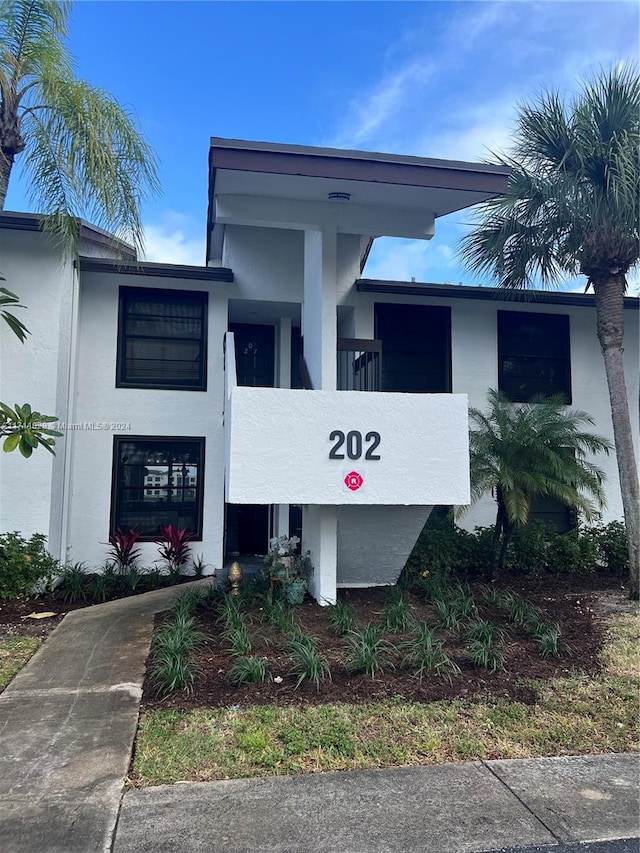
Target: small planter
[294, 591]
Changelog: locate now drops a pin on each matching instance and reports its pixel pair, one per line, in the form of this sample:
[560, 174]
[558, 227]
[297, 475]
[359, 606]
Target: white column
[320, 538]
[283, 371]
[319, 307]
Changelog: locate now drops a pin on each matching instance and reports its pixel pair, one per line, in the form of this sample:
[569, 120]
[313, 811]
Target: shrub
[485, 654]
[611, 547]
[123, 551]
[238, 638]
[173, 546]
[528, 549]
[397, 613]
[173, 648]
[341, 618]
[308, 663]
[75, 584]
[447, 614]
[367, 651]
[25, 565]
[248, 669]
[425, 653]
[571, 552]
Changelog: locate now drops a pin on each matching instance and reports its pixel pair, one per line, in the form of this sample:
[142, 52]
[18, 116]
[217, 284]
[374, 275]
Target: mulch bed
[570, 601]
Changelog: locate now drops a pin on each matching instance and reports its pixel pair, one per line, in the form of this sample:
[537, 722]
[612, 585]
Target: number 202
[353, 444]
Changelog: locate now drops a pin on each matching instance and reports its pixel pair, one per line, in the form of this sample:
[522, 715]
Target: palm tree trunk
[610, 324]
[6, 165]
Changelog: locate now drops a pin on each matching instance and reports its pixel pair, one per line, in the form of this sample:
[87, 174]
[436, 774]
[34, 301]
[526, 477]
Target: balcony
[359, 365]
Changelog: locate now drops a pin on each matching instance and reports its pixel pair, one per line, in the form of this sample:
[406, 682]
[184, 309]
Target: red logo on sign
[353, 481]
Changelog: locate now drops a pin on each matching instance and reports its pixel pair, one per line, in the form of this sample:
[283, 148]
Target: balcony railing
[359, 364]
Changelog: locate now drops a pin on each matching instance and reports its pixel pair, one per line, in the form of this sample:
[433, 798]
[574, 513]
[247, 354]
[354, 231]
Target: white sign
[346, 447]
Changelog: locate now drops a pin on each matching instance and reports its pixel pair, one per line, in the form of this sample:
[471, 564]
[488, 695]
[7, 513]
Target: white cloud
[174, 240]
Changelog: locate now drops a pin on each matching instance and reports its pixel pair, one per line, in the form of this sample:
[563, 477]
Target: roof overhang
[289, 186]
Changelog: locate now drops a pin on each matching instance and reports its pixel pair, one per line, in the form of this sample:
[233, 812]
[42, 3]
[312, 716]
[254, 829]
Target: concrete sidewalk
[450, 808]
[67, 724]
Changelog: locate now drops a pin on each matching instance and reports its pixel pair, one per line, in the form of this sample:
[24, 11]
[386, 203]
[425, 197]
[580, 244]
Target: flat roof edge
[16, 221]
[220, 143]
[457, 291]
[150, 268]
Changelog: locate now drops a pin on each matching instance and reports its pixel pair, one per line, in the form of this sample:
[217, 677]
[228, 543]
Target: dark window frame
[524, 351]
[442, 311]
[166, 440]
[176, 296]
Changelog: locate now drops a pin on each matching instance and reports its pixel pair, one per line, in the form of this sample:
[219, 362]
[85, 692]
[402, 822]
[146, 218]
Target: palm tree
[520, 452]
[80, 150]
[573, 207]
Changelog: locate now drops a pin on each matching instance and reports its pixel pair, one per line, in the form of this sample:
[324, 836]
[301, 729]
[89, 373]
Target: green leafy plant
[25, 565]
[248, 669]
[308, 663]
[523, 451]
[230, 609]
[300, 637]
[279, 615]
[397, 613]
[9, 299]
[463, 601]
[132, 578]
[521, 612]
[367, 651]
[447, 614]
[483, 653]
[24, 429]
[547, 636]
[485, 632]
[172, 652]
[341, 618]
[199, 565]
[187, 602]
[425, 653]
[612, 547]
[75, 583]
[238, 638]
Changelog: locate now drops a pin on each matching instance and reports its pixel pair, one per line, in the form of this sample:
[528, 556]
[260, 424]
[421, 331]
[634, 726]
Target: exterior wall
[146, 412]
[475, 368]
[267, 263]
[37, 372]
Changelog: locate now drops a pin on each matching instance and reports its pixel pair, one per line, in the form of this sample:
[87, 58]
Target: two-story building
[274, 389]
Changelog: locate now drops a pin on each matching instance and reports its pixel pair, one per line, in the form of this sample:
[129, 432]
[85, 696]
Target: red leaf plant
[123, 552]
[174, 546]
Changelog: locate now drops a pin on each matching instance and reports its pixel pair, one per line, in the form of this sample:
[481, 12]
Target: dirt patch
[570, 601]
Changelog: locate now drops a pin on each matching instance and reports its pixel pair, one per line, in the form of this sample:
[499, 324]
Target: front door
[255, 354]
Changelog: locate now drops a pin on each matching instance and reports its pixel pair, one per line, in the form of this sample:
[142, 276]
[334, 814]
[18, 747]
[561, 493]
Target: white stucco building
[274, 388]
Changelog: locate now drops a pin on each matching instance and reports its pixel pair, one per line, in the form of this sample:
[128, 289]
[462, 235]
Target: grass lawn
[14, 653]
[571, 714]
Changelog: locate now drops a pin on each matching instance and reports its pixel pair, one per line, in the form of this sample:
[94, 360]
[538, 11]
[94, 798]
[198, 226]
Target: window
[533, 355]
[162, 339]
[176, 496]
[553, 513]
[416, 347]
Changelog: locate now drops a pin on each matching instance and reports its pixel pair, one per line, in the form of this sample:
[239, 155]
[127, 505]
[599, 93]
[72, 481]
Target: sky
[434, 79]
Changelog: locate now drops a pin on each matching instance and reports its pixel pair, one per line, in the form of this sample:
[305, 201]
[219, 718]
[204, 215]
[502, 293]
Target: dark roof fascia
[454, 291]
[250, 149]
[179, 271]
[15, 221]
[338, 165]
